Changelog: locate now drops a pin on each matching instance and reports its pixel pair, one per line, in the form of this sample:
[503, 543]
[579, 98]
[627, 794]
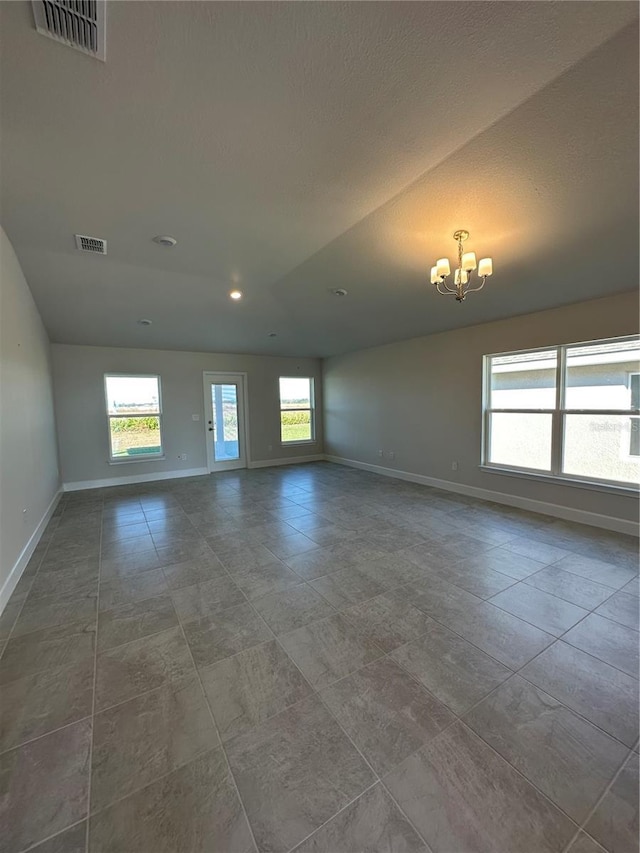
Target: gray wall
[29, 471]
[82, 424]
[421, 399]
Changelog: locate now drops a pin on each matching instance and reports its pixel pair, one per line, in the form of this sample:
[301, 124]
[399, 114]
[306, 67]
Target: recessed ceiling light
[165, 240]
[144, 322]
[339, 291]
[235, 294]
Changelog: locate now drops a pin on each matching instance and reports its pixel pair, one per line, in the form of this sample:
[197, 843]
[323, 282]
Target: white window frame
[142, 457]
[630, 375]
[311, 409]
[558, 415]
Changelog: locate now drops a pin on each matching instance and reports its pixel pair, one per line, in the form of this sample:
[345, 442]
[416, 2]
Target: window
[567, 411]
[134, 413]
[296, 409]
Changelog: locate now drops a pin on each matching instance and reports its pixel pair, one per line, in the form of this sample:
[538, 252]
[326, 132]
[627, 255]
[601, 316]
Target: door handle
[210, 429]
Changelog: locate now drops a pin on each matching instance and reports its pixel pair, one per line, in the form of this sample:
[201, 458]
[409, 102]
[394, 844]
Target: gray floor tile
[225, 633]
[585, 844]
[43, 786]
[73, 840]
[567, 758]
[386, 713]
[440, 600]
[452, 669]
[237, 557]
[389, 619]
[294, 772]
[140, 740]
[535, 550]
[122, 567]
[475, 578]
[127, 671]
[613, 643]
[195, 808]
[262, 580]
[206, 599]
[127, 589]
[115, 549]
[570, 587]
[604, 695]
[292, 608]
[9, 616]
[36, 704]
[316, 564]
[182, 552]
[462, 796]
[501, 635]
[633, 587]
[545, 611]
[46, 649]
[346, 587]
[372, 823]
[615, 822]
[199, 570]
[251, 686]
[622, 608]
[63, 581]
[134, 621]
[328, 650]
[506, 562]
[52, 610]
[289, 546]
[597, 570]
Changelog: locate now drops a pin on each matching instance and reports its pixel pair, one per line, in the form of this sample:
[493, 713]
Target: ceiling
[292, 148]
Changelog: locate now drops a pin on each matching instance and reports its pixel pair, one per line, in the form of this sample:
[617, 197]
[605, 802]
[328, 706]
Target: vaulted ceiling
[294, 148]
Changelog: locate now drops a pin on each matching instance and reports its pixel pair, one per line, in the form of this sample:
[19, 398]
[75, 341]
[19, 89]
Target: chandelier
[463, 275]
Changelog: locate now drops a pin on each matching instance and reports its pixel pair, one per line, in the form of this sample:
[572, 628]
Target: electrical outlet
[182, 457]
[392, 454]
[381, 453]
[454, 466]
[195, 417]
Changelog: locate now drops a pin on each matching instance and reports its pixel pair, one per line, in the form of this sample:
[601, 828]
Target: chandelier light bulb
[485, 267]
[469, 261]
[442, 266]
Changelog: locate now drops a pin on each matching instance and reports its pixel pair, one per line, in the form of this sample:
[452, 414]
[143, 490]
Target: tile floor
[314, 658]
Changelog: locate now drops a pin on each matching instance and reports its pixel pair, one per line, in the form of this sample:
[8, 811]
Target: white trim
[595, 519]
[243, 415]
[25, 555]
[135, 478]
[289, 460]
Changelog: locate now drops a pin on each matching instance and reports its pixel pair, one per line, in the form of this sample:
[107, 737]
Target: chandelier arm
[441, 292]
[479, 287]
[449, 289]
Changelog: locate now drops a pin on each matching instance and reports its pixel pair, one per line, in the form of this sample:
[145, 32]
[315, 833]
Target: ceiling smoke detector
[79, 24]
[94, 245]
[144, 322]
[165, 240]
[339, 291]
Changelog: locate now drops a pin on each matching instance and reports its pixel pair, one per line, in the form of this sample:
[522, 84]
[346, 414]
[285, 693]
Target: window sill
[137, 459]
[590, 485]
[298, 443]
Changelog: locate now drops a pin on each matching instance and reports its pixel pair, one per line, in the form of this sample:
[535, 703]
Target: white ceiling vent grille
[95, 245]
[77, 23]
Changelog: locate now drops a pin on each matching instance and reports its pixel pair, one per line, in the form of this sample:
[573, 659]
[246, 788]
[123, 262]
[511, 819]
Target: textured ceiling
[298, 147]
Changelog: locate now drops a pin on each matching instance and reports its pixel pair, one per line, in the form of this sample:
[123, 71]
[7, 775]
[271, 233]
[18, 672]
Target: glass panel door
[224, 403]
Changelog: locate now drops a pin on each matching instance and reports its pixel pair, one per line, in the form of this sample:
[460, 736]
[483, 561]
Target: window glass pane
[295, 392]
[599, 446]
[524, 380]
[599, 375]
[132, 395]
[295, 426]
[224, 400]
[521, 440]
[133, 436]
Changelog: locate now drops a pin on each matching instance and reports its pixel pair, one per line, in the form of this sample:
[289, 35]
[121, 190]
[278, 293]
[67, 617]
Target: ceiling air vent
[77, 23]
[95, 245]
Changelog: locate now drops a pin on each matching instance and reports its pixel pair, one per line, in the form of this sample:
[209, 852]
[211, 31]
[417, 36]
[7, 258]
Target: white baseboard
[135, 478]
[25, 555]
[608, 522]
[289, 460]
